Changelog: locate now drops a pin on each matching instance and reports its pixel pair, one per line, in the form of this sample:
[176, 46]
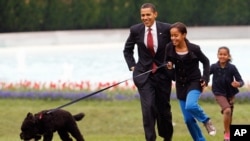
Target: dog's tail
[79, 116]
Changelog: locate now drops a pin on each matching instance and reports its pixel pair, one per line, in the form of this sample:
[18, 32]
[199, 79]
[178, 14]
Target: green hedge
[42, 15]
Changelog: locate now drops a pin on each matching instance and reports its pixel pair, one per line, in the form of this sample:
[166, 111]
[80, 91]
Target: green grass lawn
[110, 120]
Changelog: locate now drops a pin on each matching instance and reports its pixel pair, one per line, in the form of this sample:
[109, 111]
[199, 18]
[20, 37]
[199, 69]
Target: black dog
[46, 123]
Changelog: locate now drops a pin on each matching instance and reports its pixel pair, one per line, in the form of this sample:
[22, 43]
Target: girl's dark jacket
[187, 72]
[223, 77]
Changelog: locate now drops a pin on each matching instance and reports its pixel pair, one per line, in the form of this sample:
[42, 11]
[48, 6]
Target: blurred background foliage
[47, 15]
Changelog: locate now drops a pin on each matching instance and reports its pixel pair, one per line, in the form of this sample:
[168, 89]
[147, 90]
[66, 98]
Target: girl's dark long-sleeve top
[187, 72]
[223, 77]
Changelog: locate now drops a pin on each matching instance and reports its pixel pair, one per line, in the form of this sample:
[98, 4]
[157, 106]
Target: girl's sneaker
[226, 137]
[210, 128]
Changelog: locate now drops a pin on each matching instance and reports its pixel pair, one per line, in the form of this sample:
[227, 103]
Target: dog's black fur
[44, 124]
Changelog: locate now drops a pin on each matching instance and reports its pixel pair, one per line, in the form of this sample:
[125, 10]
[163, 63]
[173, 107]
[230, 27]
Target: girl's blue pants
[192, 111]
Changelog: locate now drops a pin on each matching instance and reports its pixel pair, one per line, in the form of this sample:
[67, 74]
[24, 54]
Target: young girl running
[225, 83]
[190, 82]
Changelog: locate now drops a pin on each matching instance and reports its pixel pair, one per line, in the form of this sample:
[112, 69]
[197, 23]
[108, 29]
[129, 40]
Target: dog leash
[96, 92]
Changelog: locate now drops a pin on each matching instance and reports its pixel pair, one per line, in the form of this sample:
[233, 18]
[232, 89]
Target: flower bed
[67, 90]
[75, 90]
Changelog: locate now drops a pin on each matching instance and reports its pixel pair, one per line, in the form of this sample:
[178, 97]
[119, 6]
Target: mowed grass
[110, 120]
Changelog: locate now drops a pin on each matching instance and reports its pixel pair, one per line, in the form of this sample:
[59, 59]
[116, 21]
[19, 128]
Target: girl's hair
[149, 5]
[180, 26]
[228, 51]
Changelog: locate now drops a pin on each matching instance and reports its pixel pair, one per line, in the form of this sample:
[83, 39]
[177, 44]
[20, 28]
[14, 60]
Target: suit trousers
[156, 108]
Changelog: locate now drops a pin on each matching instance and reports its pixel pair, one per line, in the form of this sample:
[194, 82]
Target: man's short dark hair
[149, 5]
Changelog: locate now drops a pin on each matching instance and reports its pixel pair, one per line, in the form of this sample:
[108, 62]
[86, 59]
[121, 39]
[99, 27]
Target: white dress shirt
[154, 34]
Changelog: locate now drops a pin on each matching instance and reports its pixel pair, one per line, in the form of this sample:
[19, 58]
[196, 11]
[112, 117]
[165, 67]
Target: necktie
[150, 45]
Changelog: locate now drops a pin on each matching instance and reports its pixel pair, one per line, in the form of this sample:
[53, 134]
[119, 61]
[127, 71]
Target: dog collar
[41, 116]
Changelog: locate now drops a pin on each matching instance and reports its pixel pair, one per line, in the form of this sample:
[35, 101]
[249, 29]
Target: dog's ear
[29, 115]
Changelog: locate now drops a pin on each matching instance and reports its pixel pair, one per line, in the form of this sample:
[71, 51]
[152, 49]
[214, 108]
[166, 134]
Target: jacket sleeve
[237, 76]
[206, 65]
[167, 58]
[211, 70]
[128, 50]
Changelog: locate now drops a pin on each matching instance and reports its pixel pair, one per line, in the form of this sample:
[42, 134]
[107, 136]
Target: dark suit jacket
[145, 59]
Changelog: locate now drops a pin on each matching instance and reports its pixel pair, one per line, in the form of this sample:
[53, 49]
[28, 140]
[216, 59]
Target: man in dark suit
[154, 87]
